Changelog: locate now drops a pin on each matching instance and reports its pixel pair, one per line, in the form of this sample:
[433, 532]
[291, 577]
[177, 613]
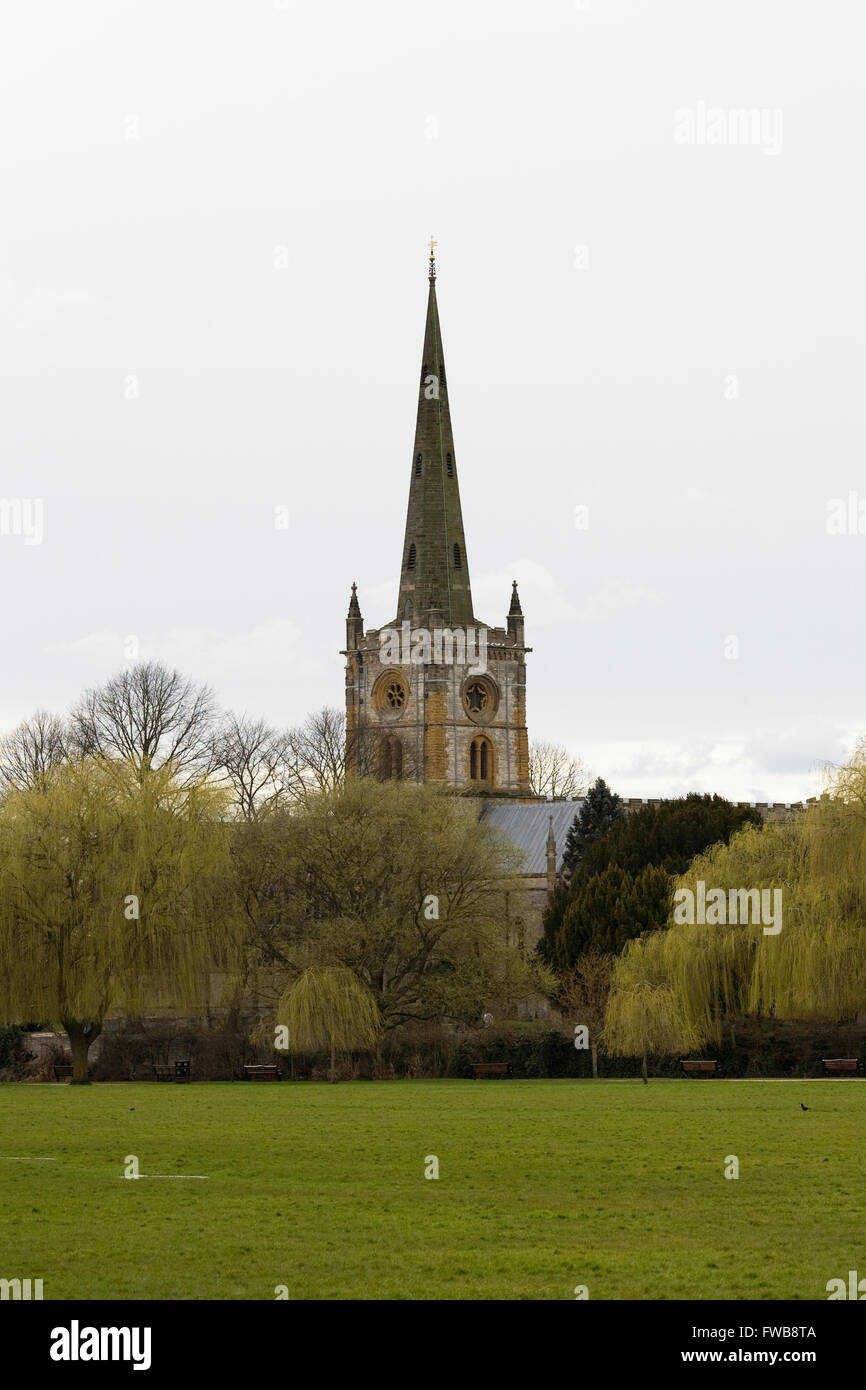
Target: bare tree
[149, 716]
[258, 763]
[584, 995]
[31, 750]
[317, 751]
[554, 774]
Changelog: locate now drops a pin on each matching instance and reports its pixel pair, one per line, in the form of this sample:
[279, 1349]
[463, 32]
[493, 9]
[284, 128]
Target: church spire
[515, 617]
[434, 549]
[354, 621]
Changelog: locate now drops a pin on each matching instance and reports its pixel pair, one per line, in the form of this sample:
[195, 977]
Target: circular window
[479, 699]
[391, 693]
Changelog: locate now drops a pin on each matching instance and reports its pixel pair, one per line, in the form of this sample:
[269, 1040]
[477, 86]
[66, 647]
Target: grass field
[543, 1185]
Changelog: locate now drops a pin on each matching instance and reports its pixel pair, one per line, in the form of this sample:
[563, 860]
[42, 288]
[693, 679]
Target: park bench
[849, 1064]
[255, 1072]
[62, 1071]
[171, 1071]
[490, 1069]
[698, 1067]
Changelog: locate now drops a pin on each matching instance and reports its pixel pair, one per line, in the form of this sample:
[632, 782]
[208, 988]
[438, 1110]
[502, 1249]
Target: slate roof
[527, 825]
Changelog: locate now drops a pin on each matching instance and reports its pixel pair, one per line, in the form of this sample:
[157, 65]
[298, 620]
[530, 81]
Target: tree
[808, 961]
[328, 1006]
[149, 716]
[643, 1017]
[620, 885]
[113, 894]
[667, 833]
[256, 761]
[554, 773]
[598, 811]
[610, 908]
[584, 994]
[401, 884]
[31, 751]
[317, 752]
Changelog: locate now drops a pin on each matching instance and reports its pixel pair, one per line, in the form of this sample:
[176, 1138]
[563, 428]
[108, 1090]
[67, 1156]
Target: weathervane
[433, 244]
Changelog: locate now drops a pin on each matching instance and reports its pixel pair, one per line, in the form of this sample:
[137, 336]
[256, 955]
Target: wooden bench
[490, 1069]
[62, 1071]
[698, 1067]
[171, 1071]
[846, 1064]
[261, 1073]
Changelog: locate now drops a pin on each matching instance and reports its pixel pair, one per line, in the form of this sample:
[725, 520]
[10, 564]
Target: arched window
[480, 760]
[410, 563]
[390, 759]
[457, 560]
[418, 462]
[449, 465]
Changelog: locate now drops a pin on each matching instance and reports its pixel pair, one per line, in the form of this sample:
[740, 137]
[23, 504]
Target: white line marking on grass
[189, 1177]
[10, 1158]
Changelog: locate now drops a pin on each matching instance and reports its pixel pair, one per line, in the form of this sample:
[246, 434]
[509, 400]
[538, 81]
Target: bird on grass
[804, 1107]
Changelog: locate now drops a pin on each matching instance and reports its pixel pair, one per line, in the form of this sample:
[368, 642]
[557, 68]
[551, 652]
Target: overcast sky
[212, 294]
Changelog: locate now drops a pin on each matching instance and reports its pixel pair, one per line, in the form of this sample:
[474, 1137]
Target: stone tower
[437, 695]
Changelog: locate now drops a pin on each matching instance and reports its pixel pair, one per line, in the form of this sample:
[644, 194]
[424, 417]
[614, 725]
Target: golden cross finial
[432, 244]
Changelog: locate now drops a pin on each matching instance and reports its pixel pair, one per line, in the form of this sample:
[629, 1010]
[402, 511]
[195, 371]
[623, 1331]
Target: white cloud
[735, 768]
[274, 647]
[615, 596]
[379, 601]
[541, 596]
[40, 316]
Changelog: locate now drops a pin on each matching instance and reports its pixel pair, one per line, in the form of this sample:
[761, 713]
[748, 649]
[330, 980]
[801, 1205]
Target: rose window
[477, 698]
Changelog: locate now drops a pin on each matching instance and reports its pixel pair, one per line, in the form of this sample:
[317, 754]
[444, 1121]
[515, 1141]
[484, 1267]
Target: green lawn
[543, 1185]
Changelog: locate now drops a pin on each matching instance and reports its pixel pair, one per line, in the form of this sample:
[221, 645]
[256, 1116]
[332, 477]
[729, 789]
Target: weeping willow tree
[329, 1007]
[806, 960]
[115, 893]
[644, 1015]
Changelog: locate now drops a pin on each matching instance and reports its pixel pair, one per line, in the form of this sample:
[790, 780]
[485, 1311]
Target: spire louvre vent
[449, 465]
[457, 559]
[419, 458]
[410, 563]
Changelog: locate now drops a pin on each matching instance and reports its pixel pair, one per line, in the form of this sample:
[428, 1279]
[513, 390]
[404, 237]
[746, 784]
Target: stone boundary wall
[769, 810]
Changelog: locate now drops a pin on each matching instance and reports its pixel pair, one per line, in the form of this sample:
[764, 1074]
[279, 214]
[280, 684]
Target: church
[438, 695]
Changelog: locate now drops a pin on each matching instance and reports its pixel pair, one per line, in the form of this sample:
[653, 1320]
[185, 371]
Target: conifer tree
[598, 811]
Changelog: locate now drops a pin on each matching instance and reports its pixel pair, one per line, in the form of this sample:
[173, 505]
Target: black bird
[804, 1107]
